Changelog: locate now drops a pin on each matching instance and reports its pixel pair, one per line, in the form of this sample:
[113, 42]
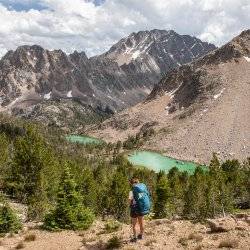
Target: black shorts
[134, 213]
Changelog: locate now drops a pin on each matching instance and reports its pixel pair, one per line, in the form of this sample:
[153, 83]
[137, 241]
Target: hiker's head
[134, 180]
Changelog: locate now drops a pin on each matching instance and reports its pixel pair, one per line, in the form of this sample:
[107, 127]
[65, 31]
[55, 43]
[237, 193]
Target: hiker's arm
[130, 197]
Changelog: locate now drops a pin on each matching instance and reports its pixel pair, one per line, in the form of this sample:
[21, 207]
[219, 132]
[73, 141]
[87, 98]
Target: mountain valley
[197, 109]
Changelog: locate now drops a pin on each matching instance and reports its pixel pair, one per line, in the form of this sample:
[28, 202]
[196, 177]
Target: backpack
[141, 196]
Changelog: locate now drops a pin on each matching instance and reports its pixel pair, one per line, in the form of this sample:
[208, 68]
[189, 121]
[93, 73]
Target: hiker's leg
[141, 223]
[134, 222]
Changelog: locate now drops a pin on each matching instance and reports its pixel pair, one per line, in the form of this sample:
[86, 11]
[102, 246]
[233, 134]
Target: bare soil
[159, 234]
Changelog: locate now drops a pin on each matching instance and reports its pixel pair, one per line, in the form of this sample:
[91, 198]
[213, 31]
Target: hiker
[139, 201]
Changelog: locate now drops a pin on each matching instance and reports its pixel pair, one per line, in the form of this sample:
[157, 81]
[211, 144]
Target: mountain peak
[113, 81]
[238, 47]
[156, 47]
[245, 33]
[196, 109]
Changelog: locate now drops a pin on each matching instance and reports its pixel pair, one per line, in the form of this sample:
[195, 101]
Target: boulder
[221, 225]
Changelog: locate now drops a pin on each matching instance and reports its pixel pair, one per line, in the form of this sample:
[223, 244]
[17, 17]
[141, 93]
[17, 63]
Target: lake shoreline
[156, 161]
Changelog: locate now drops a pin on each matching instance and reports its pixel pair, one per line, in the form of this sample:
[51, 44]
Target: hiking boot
[139, 237]
[133, 240]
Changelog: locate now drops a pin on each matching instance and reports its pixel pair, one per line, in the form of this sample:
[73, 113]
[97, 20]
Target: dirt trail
[159, 234]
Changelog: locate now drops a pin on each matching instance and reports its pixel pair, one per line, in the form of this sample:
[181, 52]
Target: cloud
[94, 25]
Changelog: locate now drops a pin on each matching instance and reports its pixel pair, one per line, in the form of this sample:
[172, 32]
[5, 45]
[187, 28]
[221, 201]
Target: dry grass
[195, 236]
[99, 245]
[183, 241]
[229, 243]
[11, 235]
[30, 237]
[158, 222]
[172, 227]
[169, 233]
[198, 247]
[242, 234]
[149, 242]
[149, 233]
[240, 228]
[20, 245]
[86, 240]
[215, 237]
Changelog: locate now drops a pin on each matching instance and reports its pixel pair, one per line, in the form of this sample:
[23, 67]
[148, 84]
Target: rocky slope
[32, 75]
[156, 50]
[197, 109]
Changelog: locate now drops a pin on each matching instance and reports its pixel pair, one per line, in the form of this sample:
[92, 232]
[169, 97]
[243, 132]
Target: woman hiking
[139, 201]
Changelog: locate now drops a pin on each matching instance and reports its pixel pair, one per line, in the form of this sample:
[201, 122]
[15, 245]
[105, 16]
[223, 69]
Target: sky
[94, 25]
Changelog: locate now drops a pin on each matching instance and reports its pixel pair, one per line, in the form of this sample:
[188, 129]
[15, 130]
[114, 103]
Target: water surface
[157, 162]
[82, 139]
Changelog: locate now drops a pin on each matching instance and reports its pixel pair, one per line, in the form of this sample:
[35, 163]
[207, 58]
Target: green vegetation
[67, 185]
[9, 222]
[205, 194]
[112, 226]
[136, 141]
[83, 139]
[162, 196]
[114, 243]
[69, 212]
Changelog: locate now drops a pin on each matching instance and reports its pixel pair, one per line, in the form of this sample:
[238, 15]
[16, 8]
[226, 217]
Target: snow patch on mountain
[47, 96]
[193, 45]
[136, 54]
[69, 94]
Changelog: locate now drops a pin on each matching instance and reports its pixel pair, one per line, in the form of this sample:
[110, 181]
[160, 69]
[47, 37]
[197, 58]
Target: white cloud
[81, 25]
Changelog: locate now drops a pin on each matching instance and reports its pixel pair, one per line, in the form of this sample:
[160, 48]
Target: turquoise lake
[157, 162]
[82, 139]
[148, 159]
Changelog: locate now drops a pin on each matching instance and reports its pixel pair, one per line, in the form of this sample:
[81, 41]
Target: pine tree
[9, 222]
[214, 163]
[177, 184]
[118, 195]
[108, 148]
[225, 193]
[4, 155]
[33, 174]
[103, 181]
[88, 188]
[162, 196]
[220, 195]
[69, 212]
[195, 199]
[234, 177]
[118, 147]
[30, 157]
